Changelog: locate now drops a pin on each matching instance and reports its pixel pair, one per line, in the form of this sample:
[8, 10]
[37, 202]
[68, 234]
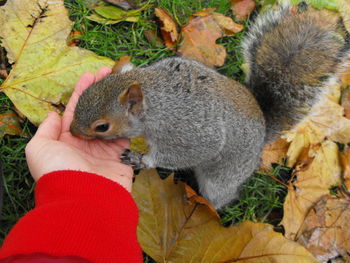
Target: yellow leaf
[174, 230]
[34, 33]
[310, 185]
[344, 11]
[325, 232]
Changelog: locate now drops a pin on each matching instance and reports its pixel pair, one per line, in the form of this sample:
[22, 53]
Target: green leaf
[114, 13]
[101, 20]
[34, 33]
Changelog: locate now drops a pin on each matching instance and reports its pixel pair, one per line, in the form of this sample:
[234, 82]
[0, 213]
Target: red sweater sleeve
[80, 214]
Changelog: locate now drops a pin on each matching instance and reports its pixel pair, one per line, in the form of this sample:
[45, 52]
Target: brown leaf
[310, 185]
[201, 33]
[173, 230]
[345, 163]
[325, 232]
[10, 124]
[153, 38]
[242, 8]
[72, 39]
[273, 153]
[121, 62]
[345, 73]
[168, 27]
[345, 101]
[194, 198]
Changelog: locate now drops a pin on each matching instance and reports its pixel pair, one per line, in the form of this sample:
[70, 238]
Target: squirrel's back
[291, 53]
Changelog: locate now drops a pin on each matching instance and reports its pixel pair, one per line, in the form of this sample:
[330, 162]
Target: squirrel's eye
[103, 127]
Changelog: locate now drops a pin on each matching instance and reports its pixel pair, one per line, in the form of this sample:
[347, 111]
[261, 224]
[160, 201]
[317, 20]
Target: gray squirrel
[193, 117]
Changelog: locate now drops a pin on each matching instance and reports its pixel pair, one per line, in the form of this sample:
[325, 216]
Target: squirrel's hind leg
[221, 183]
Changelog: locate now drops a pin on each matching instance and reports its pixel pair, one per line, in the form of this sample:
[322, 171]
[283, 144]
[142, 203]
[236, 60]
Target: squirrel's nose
[75, 131]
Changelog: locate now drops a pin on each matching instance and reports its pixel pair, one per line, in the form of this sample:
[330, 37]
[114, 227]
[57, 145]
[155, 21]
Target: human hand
[54, 148]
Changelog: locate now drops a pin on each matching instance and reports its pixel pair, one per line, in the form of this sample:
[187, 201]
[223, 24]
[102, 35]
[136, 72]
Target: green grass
[18, 184]
[261, 195]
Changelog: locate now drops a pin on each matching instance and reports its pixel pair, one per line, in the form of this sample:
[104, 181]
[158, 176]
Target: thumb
[50, 128]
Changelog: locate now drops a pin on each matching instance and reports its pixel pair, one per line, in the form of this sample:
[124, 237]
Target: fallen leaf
[168, 27]
[344, 10]
[242, 8]
[194, 198]
[10, 124]
[153, 38]
[121, 62]
[34, 34]
[309, 186]
[201, 33]
[73, 39]
[273, 153]
[345, 163]
[107, 14]
[105, 21]
[125, 4]
[325, 232]
[90, 3]
[345, 102]
[173, 230]
[325, 121]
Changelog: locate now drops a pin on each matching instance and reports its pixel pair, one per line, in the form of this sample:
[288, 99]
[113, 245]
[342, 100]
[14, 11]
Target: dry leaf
[242, 8]
[325, 232]
[73, 39]
[201, 33]
[10, 124]
[172, 230]
[194, 198]
[121, 62]
[344, 11]
[345, 73]
[273, 153]
[345, 163]
[34, 34]
[310, 185]
[345, 102]
[153, 38]
[325, 120]
[168, 27]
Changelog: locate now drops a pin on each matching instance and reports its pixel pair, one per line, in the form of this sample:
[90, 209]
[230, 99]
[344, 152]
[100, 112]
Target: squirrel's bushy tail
[292, 53]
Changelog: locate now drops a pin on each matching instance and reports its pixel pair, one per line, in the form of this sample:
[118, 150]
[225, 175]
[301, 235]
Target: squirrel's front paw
[132, 158]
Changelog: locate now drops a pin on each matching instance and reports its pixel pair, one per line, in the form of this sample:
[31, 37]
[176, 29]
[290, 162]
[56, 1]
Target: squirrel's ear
[133, 97]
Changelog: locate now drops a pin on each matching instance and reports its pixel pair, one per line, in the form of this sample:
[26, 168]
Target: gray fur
[187, 122]
[193, 117]
[292, 55]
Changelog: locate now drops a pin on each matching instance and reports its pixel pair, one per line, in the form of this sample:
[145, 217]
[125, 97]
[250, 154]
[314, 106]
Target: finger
[50, 128]
[84, 82]
[124, 143]
[102, 73]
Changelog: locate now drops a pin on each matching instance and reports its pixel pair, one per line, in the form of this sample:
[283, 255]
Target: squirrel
[193, 117]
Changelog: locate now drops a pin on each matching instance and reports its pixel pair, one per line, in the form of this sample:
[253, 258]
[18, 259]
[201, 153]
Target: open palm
[54, 148]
